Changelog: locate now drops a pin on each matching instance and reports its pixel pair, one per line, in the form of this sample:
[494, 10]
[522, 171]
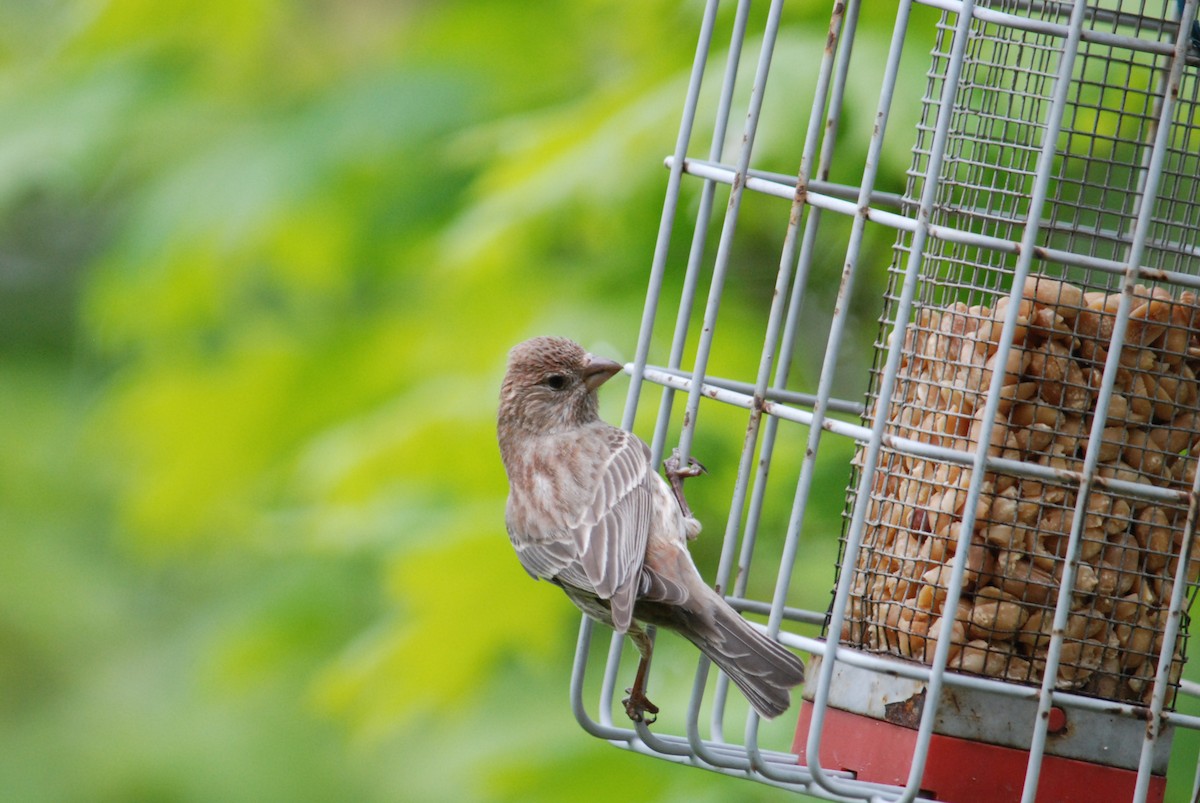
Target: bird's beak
[597, 371]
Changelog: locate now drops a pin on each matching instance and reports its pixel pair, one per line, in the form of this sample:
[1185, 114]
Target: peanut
[995, 615]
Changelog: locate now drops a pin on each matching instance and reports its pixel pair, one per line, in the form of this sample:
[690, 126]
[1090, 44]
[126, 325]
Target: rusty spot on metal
[839, 9]
[906, 713]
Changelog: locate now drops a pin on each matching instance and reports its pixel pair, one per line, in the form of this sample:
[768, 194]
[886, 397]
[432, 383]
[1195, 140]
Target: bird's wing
[603, 548]
[547, 559]
[611, 536]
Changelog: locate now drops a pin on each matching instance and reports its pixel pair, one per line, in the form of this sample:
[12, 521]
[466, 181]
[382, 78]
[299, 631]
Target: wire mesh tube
[1001, 626]
[1052, 376]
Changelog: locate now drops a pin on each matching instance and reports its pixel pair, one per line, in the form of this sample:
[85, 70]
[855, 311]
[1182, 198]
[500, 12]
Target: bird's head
[551, 384]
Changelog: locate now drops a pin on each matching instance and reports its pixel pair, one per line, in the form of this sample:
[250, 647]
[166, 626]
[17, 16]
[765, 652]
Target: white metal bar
[826, 106]
[918, 448]
[843, 192]
[902, 222]
[1041, 26]
[700, 229]
[854, 534]
[712, 308]
[725, 244]
[775, 394]
[932, 179]
[654, 289]
[1062, 609]
[1028, 243]
[662, 244]
[1176, 608]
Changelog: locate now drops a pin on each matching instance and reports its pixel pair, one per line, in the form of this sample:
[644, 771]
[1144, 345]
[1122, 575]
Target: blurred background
[260, 266]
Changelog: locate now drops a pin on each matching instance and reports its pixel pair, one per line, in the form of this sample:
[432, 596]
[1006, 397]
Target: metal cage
[1009, 617]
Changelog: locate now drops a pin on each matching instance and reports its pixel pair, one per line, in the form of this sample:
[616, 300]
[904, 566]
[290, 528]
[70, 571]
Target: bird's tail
[758, 665]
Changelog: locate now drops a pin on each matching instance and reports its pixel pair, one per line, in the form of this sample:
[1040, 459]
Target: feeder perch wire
[1021, 509]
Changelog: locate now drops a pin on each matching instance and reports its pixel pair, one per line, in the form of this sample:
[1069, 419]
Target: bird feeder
[1009, 618]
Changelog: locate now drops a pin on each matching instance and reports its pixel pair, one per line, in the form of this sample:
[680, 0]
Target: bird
[587, 512]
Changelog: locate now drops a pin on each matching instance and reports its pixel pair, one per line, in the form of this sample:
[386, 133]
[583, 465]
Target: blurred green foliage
[260, 265]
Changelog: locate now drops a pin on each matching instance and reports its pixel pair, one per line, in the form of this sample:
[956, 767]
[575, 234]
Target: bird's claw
[637, 705]
[677, 471]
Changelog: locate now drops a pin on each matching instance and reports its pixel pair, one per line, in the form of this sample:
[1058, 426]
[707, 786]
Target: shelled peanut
[1049, 397]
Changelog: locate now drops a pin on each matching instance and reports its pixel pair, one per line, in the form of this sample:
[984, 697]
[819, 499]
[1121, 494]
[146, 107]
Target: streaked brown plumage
[587, 512]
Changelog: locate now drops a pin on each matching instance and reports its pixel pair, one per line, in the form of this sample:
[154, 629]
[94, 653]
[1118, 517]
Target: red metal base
[960, 770]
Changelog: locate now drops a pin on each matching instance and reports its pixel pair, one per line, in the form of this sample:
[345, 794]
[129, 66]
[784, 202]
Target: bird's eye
[555, 381]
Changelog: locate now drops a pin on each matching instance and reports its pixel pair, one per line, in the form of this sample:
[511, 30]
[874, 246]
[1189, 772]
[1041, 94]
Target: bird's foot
[677, 472]
[637, 705]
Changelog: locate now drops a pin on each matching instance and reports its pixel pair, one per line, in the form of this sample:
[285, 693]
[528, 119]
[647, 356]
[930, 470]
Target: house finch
[587, 512]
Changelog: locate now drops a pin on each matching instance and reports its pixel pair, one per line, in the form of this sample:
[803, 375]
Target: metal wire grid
[1013, 174]
[997, 128]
